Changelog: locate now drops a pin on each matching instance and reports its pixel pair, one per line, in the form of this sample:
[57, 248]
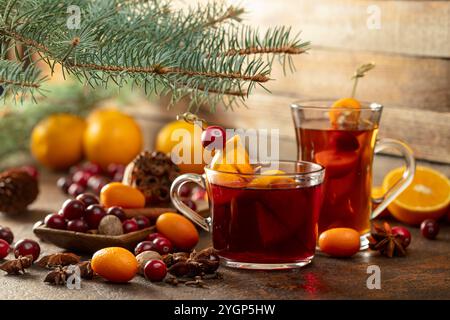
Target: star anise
[86, 271]
[195, 264]
[382, 239]
[57, 276]
[17, 266]
[58, 259]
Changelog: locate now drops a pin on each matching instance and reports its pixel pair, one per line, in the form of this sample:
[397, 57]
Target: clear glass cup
[265, 220]
[344, 141]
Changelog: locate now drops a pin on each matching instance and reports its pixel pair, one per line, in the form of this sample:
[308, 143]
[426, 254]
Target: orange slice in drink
[345, 112]
[272, 179]
[337, 163]
[231, 161]
[427, 197]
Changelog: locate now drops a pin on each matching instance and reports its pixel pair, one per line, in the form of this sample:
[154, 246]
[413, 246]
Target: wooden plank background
[411, 49]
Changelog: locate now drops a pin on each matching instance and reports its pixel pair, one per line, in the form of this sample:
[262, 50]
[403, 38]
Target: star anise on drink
[383, 240]
[17, 266]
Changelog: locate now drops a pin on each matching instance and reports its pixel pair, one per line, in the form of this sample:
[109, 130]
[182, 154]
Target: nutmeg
[143, 257]
[110, 225]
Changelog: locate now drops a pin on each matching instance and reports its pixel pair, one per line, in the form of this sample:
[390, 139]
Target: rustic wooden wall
[410, 45]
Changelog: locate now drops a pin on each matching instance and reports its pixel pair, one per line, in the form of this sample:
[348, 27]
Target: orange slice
[233, 160]
[344, 111]
[428, 196]
[271, 179]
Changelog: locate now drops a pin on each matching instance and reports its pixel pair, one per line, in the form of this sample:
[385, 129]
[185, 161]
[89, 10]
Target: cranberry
[115, 168]
[429, 228]
[72, 209]
[143, 222]
[77, 225]
[88, 199]
[27, 247]
[64, 183]
[94, 214]
[144, 246]
[55, 221]
[96, 183]
[191, 204]
[404, 234]
[185, 191]
[76, 189]
[31, 170]
[4, 248]
[155, 270]
[118, 212]
[153, 236]
[92, 168]
[130, 225]
[163, 245]
[6, 234]
[81, 177]
[213, 137]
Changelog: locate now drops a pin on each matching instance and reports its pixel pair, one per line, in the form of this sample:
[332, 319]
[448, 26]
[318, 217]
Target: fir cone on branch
[18, 189]
[152, 173]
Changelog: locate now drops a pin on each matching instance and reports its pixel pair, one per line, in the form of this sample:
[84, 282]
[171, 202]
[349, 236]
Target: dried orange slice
[344, 111]
[428, 196]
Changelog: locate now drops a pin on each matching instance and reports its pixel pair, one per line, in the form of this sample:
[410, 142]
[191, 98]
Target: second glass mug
[264, 220]
[344, 141]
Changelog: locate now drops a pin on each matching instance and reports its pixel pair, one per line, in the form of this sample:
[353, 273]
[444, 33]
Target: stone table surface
[423, 274]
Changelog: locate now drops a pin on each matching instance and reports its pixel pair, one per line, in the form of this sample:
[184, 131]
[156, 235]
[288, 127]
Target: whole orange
[115, 264]
[111, 136]
[339, 242]
[57, 141]
[178, 137]
[178, 229]
[121, 195]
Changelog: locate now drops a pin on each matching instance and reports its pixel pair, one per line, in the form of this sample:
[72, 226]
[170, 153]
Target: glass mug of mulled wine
[344, 141]
[263, 220]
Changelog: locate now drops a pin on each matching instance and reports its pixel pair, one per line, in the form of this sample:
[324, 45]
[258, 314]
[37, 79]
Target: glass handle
[403, 182]
[178, 203]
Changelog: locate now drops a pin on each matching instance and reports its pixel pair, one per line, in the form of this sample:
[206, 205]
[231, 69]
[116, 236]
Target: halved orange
[427, 197]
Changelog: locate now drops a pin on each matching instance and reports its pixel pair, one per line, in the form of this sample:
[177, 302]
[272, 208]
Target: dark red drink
[347, 157]
[265, 225]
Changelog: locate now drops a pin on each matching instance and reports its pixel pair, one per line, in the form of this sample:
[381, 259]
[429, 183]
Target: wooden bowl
[86, 242]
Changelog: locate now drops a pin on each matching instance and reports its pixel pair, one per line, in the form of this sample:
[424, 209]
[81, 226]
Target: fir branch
[231, 13]
[200, 51]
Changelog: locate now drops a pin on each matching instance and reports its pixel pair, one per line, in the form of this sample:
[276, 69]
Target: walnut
[110, 225]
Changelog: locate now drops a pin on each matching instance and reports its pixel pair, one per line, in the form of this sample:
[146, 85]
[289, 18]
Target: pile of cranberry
[85, 213]
[89, 176]
[22, 247]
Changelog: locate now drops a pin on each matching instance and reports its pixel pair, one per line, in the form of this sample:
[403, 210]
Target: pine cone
[153, 174]
[17, 190]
